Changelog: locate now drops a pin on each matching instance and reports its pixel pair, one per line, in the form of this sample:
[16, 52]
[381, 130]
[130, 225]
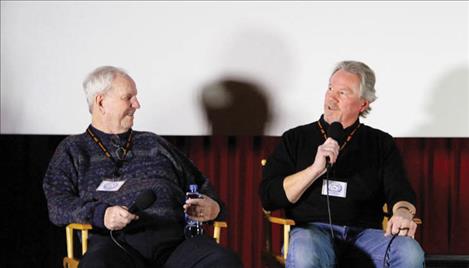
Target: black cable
[330, 216]
[328, 204]
[388, 250]
[122, 247]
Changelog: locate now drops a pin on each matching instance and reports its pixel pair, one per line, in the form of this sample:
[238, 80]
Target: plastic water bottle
[193, 228]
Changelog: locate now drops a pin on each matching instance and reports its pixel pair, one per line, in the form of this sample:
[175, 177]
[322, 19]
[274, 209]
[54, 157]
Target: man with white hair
[333, 177]
[96, 176]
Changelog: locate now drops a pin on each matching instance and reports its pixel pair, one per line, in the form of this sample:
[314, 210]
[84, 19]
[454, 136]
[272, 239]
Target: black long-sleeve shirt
[369, 163]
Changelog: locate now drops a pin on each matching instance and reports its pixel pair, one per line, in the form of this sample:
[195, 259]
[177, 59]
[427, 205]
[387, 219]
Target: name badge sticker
[336, 188]
[110, 186]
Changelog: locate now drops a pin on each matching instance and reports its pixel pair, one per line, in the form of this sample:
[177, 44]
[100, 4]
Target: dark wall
[31, 240]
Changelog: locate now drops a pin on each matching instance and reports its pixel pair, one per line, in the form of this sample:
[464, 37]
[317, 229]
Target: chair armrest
[287, 223]
[282, 221]
[217, 225]
[83, 227]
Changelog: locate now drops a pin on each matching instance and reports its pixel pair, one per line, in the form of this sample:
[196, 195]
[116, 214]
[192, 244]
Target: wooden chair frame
[71, 262]
[287, 224]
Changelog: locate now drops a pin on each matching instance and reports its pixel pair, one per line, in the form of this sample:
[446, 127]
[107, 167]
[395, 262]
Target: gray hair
[99, 82]
[367, 80]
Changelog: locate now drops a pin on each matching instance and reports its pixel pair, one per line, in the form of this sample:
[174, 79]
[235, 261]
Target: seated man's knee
[310, 248]
[202, 251]
[102, 252]
[223, 257]
[102, 259]
[408, 253]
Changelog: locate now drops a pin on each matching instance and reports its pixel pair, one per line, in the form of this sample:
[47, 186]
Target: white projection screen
[176, 50]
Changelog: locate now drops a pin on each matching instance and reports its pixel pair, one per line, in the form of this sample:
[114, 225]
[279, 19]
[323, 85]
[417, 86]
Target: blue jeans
[312, 246]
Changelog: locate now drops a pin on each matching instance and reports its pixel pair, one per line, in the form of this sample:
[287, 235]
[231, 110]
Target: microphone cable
[388, 250]
[122, 247]
[336, 132]
[143, 201]
[329, 214]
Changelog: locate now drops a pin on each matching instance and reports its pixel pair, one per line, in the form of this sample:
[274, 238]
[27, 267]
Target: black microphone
[143, 201]
[336, 132]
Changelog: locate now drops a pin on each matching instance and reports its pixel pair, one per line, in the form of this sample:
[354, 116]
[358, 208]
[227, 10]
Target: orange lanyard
[349, 137]
[118, 163]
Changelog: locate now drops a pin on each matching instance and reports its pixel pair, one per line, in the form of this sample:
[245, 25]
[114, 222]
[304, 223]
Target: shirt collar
[103, 135]
[347, 131]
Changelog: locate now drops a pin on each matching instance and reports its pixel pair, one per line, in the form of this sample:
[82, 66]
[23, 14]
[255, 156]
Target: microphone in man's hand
[336, 132]
[143, 201]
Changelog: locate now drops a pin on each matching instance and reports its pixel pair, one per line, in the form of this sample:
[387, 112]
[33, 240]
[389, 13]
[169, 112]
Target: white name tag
[110, 186]
[336, 188]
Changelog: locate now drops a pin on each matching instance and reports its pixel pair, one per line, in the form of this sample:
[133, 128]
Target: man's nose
[333, 94]
[136, 104]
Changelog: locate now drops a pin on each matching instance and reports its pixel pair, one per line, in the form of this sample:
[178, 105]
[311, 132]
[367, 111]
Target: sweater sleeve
[396, 183]
[61, 188]
[190, 174]
[279, 165]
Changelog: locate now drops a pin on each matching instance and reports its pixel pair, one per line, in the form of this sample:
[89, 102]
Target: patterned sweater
[79, 165]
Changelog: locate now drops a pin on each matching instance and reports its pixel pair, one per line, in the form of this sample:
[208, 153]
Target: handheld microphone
[143, 201]
[336, 132]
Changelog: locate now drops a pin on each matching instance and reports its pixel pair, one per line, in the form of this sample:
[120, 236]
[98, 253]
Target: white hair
[100, 81]
[367, 80]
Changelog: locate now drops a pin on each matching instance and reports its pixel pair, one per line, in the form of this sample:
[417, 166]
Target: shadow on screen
[235, 107]
[447, 108]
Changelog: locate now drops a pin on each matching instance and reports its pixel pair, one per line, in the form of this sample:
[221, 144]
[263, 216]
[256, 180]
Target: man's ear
[98, 103]
[365, 104]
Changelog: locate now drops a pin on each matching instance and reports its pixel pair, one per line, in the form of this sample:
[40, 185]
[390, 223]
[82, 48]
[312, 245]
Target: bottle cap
[193, 188]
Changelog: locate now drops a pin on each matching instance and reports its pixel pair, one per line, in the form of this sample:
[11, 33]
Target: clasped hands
[401, 223]
[200, 209]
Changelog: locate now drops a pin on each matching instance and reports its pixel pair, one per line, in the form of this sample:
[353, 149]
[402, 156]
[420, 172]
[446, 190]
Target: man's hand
[117, 217]
[401, 223]
[329, 149]
[296, 184]
[202, 209]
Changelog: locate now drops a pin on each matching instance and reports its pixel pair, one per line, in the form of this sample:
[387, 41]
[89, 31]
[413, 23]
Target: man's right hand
[117, 217]
[329, 149]
[296, 184]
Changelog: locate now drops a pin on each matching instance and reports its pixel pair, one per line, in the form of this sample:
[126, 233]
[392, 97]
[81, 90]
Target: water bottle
[193, 227]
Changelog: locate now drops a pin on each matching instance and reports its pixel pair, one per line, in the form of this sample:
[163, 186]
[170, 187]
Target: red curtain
[439, 172]
[438, 169]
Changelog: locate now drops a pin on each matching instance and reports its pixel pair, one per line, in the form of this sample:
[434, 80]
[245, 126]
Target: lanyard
[120, 152]
[349, 137]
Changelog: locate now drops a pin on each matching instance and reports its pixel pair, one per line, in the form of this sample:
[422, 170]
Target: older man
[94, 177]
[338, 210]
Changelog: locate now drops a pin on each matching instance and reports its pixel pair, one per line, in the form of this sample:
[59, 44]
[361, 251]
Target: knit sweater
[79, 165]
[369, 163]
